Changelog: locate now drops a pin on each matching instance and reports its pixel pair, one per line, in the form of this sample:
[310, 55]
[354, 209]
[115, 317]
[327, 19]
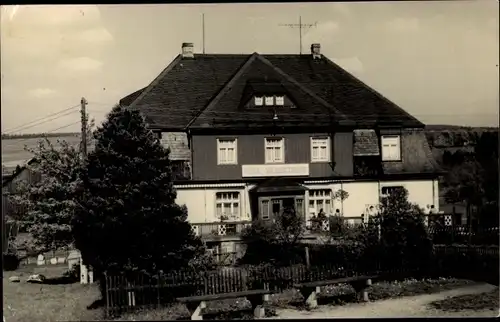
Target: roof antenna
[203, 30]
[300, 26]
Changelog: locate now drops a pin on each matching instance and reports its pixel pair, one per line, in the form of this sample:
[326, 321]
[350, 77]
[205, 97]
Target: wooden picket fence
[126, 292]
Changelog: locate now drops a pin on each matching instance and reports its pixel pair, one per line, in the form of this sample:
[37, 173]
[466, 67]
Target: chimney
[187, 50]
[316, 51]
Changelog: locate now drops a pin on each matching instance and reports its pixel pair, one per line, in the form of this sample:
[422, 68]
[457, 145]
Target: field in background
[13, 152]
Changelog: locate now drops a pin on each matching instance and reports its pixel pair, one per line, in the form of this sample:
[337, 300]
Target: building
[256, 133]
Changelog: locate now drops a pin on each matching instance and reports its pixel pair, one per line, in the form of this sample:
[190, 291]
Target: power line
[41, 122]
[40, 119]
[63, 127]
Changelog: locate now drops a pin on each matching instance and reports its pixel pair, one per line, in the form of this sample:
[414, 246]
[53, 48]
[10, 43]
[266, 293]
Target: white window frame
[391, 147]
[326, 196]
[279, 100]
[228, 197]
[271, 146]
[221, 146]
[259, 100]
[319, 142]
[266, 98]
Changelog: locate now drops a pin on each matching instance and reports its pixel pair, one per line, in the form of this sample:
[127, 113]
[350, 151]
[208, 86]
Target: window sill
[280, 162]
[227, 163]
[392, 160]
[320, 161]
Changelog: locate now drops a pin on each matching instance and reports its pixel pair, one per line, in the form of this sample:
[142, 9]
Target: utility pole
[83, 111]
[300, 25]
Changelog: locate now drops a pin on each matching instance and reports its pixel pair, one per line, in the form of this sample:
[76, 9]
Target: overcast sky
[437, 60]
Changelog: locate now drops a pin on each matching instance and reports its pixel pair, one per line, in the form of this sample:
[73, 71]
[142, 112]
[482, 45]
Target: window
[280, 100]
[320, 199]
[269, 100]
[320, 150]
[227, 151]
[227, 204]
[388, 190]
[264, 209]
[275, 150]
[259, 101]
[391, 148]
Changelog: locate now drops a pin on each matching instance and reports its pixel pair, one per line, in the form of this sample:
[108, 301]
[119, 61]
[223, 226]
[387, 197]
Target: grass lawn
[482, 301]
[40, 302]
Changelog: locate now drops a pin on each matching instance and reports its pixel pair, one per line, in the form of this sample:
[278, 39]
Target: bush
[404, 237]
[276, 242]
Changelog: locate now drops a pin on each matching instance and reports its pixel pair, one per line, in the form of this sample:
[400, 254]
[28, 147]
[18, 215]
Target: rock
[36, 279]
[14, 279]
[40, 260]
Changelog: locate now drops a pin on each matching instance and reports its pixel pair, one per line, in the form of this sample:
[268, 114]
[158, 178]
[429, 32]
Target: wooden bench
[309, 290]
[196, 304]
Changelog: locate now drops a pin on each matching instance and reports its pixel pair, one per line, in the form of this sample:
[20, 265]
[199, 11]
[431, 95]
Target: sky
[437, 60]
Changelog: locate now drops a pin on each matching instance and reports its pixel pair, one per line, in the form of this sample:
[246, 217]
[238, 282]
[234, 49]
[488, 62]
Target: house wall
[201, 201]
[251, 151]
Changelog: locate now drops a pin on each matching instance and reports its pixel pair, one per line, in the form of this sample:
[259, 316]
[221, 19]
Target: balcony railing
[224, 228]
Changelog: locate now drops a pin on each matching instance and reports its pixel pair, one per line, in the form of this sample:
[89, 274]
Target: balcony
[222, 230]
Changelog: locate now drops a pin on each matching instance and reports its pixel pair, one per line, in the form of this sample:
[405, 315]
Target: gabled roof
[209, 88]
[223, 110]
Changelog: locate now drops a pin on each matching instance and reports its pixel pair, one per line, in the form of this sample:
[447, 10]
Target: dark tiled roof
[416, 155]
[186, 88]
[223, 111]
[127, 100]
[365, 143]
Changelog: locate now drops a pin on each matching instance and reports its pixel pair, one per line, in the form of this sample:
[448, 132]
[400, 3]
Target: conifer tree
[128, 217]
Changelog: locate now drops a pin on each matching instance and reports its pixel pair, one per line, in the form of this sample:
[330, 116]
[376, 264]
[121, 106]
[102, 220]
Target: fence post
[308, 262]
[106, 289]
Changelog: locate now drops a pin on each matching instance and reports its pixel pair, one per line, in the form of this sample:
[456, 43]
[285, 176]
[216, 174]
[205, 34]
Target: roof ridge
[225, 88]
[155, 81]
[369, 88]
[299, 85]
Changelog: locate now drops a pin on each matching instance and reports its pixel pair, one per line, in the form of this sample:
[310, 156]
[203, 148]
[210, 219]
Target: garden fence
[126, 292]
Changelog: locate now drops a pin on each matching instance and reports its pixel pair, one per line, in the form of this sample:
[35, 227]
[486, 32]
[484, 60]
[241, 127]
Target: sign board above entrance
[275, 170]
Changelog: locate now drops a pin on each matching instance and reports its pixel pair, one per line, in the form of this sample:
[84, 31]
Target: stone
[14, 279]
[36, 279]
[40, 260]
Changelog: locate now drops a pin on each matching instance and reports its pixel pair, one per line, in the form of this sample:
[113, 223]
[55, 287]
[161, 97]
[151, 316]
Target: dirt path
[410, 306]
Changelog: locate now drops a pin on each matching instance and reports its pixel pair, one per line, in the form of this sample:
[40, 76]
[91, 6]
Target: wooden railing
[222, 228]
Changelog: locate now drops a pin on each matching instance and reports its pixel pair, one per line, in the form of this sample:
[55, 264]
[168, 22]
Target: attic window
[269, 100]
[259, 101]
[280, 100]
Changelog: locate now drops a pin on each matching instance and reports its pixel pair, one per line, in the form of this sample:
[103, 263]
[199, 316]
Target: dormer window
[269, 100]
[280, 100]
[259, 100]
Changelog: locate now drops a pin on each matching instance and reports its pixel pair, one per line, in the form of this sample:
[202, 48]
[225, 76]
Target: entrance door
[271, 207]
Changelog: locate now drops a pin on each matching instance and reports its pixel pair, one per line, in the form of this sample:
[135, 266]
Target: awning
[278, 185]
[365, 143]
